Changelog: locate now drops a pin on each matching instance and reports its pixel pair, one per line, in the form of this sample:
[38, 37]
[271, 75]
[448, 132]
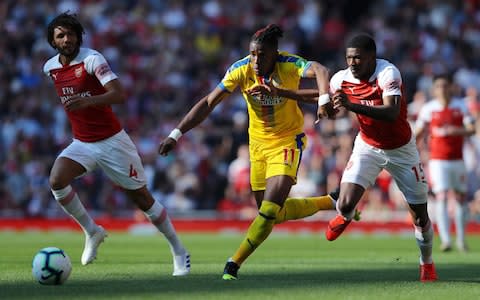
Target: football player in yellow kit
[276, 137]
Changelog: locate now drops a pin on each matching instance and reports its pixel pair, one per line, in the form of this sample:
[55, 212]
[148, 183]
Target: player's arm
[201, 110]
[420, 133]
[115, 94]
[304, 95]
[389, 111]
[194, 117]
[470, 129]
[321, 74]
[449, 130]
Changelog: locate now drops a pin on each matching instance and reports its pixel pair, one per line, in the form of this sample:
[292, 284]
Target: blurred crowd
[170, 53]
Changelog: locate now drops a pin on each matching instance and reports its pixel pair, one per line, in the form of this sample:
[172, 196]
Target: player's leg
[405, 167]
[286, 160]
[65, 169]
[424, 237]
[122, 164]
[157, 214]
[298, 208]
[461, 216]
[439, 175]
[276, 191]
[443, 220]
[350, 195]
[459, 189]
[361, 171]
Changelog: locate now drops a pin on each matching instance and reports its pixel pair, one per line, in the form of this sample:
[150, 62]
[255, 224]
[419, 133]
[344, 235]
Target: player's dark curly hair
[268, 35]
[68, 21]
[363, 41]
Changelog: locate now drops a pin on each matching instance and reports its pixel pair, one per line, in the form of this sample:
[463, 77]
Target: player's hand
[340, 100]
[166, 146]
[261, 90]
[76, 103]
[326, 111]
[446, 130]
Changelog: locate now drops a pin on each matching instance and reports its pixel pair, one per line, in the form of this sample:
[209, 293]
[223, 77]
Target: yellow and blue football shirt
[270, 117]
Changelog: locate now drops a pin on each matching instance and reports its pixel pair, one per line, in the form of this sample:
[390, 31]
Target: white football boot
[181, 264]
[91, 245]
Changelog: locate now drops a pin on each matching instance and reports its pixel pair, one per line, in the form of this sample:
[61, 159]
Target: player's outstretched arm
[194, 117]
[325, 105]
[268, 89]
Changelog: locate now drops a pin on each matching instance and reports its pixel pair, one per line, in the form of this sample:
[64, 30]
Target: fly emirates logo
[68, 92]
[367, 102]
[268, 100]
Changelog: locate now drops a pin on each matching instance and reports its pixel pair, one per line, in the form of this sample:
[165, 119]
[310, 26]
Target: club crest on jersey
[78, 72]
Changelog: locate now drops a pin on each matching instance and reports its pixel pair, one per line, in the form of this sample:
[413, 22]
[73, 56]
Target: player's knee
[269, 210]
[141, 197]
[57, 182]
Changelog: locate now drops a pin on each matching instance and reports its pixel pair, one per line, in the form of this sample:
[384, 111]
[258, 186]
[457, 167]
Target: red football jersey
[85, 76]
[385, 81]
[436, 116]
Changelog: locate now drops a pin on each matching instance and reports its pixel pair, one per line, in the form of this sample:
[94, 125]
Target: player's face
[65, 41]
[361, 63]
[262, 58]
[441, 88]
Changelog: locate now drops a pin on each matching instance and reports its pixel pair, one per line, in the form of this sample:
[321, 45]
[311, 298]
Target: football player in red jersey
[372, 89]
[446, 120]
[87, 88]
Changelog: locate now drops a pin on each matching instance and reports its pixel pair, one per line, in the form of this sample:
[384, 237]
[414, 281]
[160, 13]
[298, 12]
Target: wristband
[323, 99]
[175, 134]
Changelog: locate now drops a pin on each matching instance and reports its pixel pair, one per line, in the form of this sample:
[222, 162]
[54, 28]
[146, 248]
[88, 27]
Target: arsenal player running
[372, 89]
[446, 121]
[87, 87]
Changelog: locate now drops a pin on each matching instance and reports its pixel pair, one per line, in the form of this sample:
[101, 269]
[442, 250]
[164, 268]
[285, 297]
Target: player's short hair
[446, 76]
[268, 35]
[363, 41]
[68, 21]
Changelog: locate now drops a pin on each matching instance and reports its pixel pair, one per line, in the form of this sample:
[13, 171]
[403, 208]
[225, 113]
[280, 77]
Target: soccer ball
[51, 266]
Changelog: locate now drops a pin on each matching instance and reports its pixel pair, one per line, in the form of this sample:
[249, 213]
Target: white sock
[443, 221]
[424, 238]
[461, 214]
[71, 204]
[157, 214]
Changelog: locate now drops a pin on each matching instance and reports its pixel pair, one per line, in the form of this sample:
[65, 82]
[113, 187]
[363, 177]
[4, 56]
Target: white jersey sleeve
[390, 81]
[424, 116]
[336, 81]
[96, 64]
[468, 119]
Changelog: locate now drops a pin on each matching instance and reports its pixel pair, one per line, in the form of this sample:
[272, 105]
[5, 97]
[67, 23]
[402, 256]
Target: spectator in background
[87, 88]
[446, 120]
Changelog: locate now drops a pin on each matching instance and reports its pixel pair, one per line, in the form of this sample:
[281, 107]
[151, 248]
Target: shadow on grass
[203, 284]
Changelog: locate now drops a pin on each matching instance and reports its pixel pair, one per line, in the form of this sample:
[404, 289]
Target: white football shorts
[117, 156]
[403, 164]
[447, 175]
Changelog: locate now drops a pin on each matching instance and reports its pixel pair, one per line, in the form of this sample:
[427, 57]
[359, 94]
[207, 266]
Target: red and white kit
[446, 167]
[98, 137]
[381, 144]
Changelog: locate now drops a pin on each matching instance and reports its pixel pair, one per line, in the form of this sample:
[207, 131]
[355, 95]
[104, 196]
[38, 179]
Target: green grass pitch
[303, 266]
